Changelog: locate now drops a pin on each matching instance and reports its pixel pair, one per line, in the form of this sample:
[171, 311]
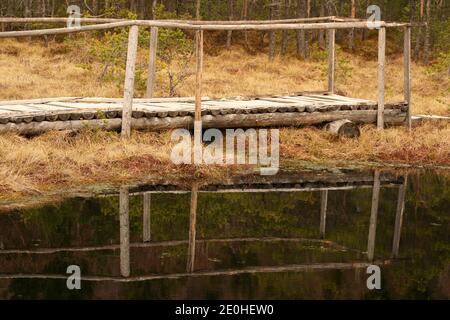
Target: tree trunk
[230, 17]
[155, 2]
[419, 32]
[321, 31]
[245, 17]
[426, 46]
[284, 34]
[197, 10]
[271, 33]
[351, 35]
[302, 35]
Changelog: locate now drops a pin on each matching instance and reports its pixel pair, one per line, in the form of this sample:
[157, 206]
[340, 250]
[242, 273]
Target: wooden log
[39, 118]
[343, 128]
[190, 267]
[124, 218]
[392, 117]
[323, 212]
[331, 59]
[37, 101]
[199, 74]
[407, 74]
[194, 22]
[55, 31]
[198, 98]
[137, 100]
[129, 81]
[373, 216]
[381, 76]
[146, 225]
[111, 114]
[73, 116]
[399, 218]
[152, 62]
[187, 26]
[88, 115]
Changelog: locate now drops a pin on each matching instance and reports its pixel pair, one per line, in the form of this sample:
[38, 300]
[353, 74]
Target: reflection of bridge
[354, 181]
[35, 116]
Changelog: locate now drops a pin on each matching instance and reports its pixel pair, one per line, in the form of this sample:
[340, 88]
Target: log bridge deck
[73, 113]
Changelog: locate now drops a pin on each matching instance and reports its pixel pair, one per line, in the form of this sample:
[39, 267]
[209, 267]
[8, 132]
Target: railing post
[124, 218]
[381, 76]
[129, 82]
[152, 62]
[198, 97]
[331, 58]
[407, 74]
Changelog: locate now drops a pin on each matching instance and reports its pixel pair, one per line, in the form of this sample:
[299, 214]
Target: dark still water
[292, 236]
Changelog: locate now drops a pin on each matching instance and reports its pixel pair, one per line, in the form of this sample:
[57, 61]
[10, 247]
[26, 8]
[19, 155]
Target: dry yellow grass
[32, 71]
[60, 159]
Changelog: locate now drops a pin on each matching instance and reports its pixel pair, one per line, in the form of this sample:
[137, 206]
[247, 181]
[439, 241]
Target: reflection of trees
[424, 239]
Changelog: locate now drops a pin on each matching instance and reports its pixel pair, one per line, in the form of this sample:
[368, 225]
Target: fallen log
[343, 128]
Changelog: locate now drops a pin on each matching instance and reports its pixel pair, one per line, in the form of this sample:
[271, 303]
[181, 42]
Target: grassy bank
[59, 160]
[62, 159]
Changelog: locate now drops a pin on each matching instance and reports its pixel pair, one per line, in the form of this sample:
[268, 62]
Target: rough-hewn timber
[37, 116]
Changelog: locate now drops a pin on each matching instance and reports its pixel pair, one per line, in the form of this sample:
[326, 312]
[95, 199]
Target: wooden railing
[329, 23]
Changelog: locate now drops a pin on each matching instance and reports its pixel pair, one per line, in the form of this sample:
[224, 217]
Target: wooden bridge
[34, 117]
[40, 115]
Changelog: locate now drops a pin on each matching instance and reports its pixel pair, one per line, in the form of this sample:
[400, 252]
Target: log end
[343, 128]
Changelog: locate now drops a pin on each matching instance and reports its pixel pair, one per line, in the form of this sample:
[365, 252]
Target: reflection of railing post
[399, 218]
[146, 224]
[124, 219]
[192, 229]
[323, 212]
[373, 216]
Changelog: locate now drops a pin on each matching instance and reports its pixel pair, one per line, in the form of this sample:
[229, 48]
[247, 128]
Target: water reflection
[190, 265]
[245, 238]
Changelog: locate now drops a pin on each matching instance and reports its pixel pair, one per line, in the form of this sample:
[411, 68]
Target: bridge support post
[331, 58]
[129, 82]
[381, 76]
[407, 73]
[152, 62]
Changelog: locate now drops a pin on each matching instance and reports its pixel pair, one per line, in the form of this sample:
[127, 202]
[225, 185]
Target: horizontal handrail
[187, 25]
